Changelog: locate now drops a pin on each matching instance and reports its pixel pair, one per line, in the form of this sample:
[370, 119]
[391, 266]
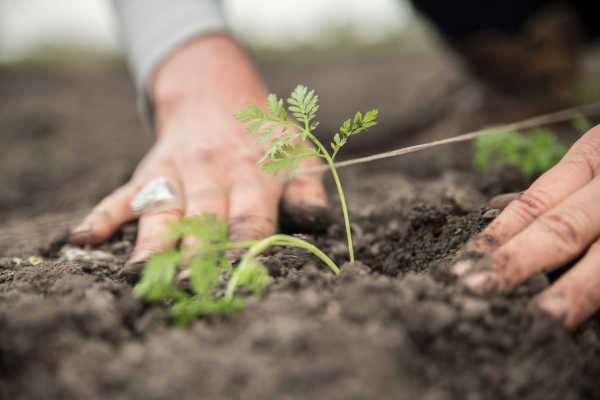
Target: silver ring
[156, 193]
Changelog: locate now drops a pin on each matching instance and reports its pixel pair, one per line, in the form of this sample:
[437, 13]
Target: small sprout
[17, 260]
[534, 152]
[34, 260]
[215, 286]
[286, 150]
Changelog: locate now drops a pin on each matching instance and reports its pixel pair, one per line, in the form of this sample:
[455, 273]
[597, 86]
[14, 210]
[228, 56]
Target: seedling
[215, 286]
[287, 148]
[534, 153]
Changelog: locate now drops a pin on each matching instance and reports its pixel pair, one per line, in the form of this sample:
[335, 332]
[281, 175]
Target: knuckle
[567, 230]
[531, 204]
[168, 213]
[149, 248]
[595, 249]
[250, 227]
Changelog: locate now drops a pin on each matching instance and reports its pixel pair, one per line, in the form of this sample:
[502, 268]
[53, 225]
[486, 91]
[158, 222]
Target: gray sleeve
[151, 29]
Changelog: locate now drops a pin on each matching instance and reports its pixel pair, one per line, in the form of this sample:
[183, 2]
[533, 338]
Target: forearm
[153, 29]
[208, 72]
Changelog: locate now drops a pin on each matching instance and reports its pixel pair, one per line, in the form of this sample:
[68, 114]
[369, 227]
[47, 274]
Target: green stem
[236, 245]
[325, 154]
[276, 240]
[338, 184]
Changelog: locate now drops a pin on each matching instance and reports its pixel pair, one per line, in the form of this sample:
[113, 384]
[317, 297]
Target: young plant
[534, 152]
[215, 286]
[287, 138]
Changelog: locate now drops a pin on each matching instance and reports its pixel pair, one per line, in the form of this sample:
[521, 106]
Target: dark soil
[395, 325]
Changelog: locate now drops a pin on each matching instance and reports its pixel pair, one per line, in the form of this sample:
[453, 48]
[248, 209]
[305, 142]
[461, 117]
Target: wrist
[208, 73]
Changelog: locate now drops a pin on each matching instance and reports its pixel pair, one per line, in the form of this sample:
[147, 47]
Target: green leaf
[267, 133]
[244, 116]
[255, 110]
[273, 104]
[357, 119]
[255, 125]
[252, 275]
[34, 260]
[582, 124]
[371, 115]
[276, 166]
[294, 166]
[204, 274]
[303, 104]
[185, 311]
[534, 152]
[158, 275]
[345, 128]
[300, 148]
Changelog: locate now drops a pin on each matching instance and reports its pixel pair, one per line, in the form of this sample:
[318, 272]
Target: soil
[394, 325]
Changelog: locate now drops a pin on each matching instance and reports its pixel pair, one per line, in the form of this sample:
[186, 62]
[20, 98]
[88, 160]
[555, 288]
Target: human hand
[204, 154]
[552, 223]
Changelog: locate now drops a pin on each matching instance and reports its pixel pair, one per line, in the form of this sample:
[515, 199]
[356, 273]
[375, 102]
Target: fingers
[203, 198]
[501, 201]
[576, 295]
[253, 211]
[306, 190]
[550, 241]
[152, 227]
[112, 212]
[579, 166]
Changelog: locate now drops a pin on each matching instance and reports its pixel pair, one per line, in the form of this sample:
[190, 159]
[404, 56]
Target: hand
[549, 225]
[204, 154]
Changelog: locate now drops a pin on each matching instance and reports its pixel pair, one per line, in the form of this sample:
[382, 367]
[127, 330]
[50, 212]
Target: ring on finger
[157, 193]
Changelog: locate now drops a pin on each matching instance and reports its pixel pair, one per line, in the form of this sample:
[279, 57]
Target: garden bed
[396, 324]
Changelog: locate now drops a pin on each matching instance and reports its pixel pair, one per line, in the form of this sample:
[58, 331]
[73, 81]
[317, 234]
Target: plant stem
[338, 184]
[276, 240]
[325, 154]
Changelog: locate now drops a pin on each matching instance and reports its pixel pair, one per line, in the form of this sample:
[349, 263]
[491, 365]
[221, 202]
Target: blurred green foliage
[533, 152]
[582, 124]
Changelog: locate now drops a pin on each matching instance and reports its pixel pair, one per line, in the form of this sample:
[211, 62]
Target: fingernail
[82, 233]
[482, 282]
[462, 267]
[183, 275]
[131, 270]
[556, 306]
[139, 256]
[503, 200]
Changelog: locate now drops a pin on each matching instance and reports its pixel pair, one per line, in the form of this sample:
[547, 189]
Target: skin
[204, 154]
[552, 223]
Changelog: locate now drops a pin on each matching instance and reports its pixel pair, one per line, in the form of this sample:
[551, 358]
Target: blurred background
[71, 132]
[30, 26]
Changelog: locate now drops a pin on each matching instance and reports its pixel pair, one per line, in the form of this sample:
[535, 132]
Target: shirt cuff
[152, 29]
